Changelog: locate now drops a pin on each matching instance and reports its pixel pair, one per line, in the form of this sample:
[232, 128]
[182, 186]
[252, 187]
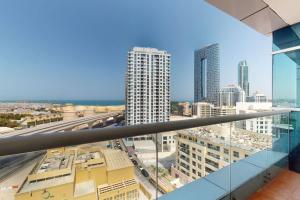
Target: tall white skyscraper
[147, 86]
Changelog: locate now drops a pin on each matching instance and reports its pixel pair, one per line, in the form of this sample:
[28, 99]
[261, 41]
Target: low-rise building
[38, 119]
[201, 151]
[225, 110]
[259, 125]
[257, 97]
[204, 109]
[184, 109]
[82, 174]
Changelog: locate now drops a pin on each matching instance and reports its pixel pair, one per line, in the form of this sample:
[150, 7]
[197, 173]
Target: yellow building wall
[91, 196]
[61, 192]
[119, 175]
[124, 191]
[97, 174]
[145, 191]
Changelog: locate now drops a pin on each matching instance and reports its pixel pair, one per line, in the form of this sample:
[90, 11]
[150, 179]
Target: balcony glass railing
[220, 157]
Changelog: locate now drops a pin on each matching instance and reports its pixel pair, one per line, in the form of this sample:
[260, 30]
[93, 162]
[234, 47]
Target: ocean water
[76, 102]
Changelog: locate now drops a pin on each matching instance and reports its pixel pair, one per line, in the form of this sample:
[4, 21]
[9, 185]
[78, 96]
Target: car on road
[145, 173]
[140, 167]
[134, 162]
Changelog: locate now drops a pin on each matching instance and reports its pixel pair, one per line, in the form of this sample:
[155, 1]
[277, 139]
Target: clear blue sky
[76, 49]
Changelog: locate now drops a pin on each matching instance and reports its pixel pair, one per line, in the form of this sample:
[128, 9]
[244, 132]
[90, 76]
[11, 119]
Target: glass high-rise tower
[207, 74]
[243, 81]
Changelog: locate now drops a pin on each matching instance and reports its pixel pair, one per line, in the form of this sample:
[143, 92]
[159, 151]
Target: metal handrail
[35, 142]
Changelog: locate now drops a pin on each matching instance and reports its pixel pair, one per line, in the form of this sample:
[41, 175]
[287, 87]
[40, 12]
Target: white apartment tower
[147, 86]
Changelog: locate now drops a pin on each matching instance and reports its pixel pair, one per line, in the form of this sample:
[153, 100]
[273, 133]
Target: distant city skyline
[51, 50]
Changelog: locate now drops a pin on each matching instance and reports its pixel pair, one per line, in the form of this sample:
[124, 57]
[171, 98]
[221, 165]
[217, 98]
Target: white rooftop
[240, 138]
[148, 50]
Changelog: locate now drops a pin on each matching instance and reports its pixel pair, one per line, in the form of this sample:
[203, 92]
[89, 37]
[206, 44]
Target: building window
[236, 154]
[208, 170]
[194, 163]
[226, 151]
[213, 147]
[199, 158]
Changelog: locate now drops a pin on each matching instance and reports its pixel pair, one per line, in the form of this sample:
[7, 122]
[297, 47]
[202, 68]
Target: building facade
[207, 74]
[184, 108]
[257, 97]
[202, 151]
[82, 174]
[261, 125]
[243, 80]
[204, 109]
[230, 95]
[147, 86]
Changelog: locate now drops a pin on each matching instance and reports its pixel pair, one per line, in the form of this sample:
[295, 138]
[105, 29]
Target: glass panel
[229, 160]
[263, 153]
[194, 157]
[286, 92]
[295, 141]
[115, 169]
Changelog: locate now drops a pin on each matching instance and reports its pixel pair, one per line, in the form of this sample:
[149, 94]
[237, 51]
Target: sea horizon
[73, 102]
[80, 102]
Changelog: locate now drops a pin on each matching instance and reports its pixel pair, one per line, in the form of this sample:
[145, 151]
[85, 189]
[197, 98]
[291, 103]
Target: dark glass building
[207, 74]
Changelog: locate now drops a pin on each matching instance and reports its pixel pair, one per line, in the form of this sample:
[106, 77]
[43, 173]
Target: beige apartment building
[82, 174]
[201, 151]
[184, 109]
[204, 109]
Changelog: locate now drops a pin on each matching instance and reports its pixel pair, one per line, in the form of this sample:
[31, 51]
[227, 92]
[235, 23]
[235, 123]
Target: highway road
[61, 125]
[10, 184]
[10, 164]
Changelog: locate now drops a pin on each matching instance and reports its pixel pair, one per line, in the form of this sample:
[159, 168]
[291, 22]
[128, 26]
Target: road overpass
[68, 125]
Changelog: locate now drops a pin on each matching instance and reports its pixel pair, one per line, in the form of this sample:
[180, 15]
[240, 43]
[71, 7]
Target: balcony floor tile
[284, 187]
